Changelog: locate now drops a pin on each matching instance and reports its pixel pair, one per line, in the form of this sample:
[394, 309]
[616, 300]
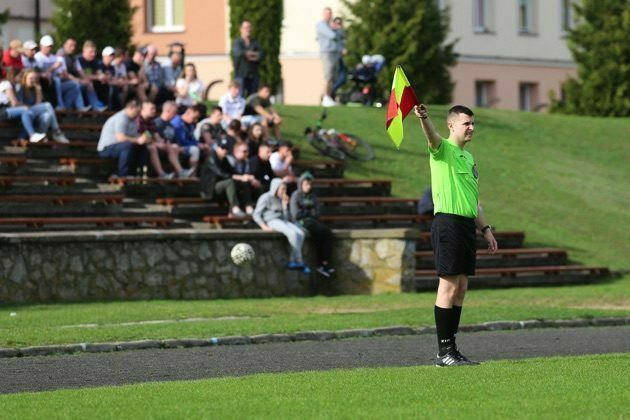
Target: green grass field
[561, 179]
[553, 388]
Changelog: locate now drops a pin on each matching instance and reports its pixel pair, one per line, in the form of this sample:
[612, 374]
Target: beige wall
[21, 21]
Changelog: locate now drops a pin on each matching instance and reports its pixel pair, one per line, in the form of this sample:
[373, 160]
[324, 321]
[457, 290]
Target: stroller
[363, 78]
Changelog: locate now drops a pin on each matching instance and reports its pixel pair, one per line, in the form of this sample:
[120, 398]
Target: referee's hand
[421, 111]
[492, 243]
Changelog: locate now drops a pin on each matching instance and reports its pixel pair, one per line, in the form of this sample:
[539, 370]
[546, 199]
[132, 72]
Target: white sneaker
[37, 137]
[237, 212]
[186, 173]
[328, 101]
[59, 137]
[168, 175]
[85, 108]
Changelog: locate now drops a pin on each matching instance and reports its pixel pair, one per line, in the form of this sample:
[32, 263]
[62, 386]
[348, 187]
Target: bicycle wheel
[326, 149]
[355, 146]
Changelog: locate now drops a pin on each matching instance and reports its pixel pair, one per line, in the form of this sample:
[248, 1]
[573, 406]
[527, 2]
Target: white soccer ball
[242, 253]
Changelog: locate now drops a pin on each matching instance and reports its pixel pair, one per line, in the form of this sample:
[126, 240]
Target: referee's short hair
[459, 109]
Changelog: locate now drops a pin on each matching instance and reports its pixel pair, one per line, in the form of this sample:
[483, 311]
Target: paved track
[118, 368]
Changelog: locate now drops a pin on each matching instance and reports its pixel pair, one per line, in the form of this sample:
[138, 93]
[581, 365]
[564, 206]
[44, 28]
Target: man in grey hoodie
[305, 212]
[272, 214]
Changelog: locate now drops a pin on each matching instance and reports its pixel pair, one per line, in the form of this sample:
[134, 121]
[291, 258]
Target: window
[166, 15]
[567, 15]
[483, 16]
[528, 96]
[485, 93]
[526, 15]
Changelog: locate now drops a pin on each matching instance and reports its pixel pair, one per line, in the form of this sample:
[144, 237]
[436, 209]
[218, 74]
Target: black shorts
[454, 240]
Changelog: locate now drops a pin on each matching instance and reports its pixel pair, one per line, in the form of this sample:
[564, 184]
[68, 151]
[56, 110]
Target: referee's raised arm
[430, 133]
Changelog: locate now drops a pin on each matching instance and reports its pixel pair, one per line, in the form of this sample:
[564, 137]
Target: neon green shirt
[454, 179]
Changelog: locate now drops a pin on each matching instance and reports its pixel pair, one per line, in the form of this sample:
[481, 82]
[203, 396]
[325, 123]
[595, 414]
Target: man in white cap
[28, 55]
[54, 75]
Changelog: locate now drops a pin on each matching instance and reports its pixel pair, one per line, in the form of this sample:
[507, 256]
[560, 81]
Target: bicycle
[337, 145]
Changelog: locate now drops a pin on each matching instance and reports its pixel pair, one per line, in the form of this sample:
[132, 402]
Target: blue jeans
[68, 93]
[249, 85]
[129, 155]
[90, 93]
[341, 78]
[42, 115]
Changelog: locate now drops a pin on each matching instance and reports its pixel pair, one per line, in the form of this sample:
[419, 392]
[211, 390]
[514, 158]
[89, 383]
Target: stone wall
[192, 264]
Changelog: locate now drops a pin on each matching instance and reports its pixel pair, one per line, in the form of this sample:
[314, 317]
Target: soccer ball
[242, 253]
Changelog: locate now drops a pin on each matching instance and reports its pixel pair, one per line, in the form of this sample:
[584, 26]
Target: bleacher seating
[49, 186]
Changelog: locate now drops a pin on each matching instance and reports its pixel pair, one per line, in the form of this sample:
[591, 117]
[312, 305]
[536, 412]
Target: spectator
[425, 204]
[69, 73]
[10, 109]
[137, 77]
[272, 214]
[242, 176]
[189, 89]
[216, 178]
[232, 103]
[329, 52]
[167, 133]
[209, 130]
[247, 55]
[111, 84]
[255, 137]
[305, 212]
[120, 79]
[87, 67]
[342, 73]
[184, 126]
[281, 161]
[145, 121]
[260, 167]
[42, 113]
[28, 55]
[48, 64]
[234, 134]
[12, 60]
[258, 108]
[173, 70]
[158, 92]
[120, 140]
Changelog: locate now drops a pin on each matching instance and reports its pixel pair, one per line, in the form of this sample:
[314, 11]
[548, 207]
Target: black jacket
[213, 171]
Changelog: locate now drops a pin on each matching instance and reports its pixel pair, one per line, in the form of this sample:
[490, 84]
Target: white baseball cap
[29, 45]
[46, 41]
[108, 51]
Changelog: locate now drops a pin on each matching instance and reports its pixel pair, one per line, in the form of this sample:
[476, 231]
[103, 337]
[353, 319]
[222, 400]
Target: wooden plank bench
[13, 160]
[75, 144]
[67, 126]
[505, 239]
[369, 201]
[74, 161]
[158, 221]
[511, 257]
[64, 199]
[374, 220]
[28, 179]
[175, 181]
[547, 270]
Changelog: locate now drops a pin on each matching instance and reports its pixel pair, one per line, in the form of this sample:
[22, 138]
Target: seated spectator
[425, 204]
[66, 92]
[232, 103]
[87, 67]
[188, 88]
[216, 178]
[242, 176]
[158, 92]
[12, 61]
[10, 109]
[305, 212]
[28, 55]
[258, 108]
[111, 84]
[255, 137]
[281, 161]
[137, 77]
[209, 130]
[260, 167]
[234, 134]
[272, 214]
[120, 140]
[184, 126]
[174, 69]
[120, 80]
[167, 141]
[146, 125]
[68, 74]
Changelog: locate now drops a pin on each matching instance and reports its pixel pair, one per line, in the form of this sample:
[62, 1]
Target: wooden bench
[514, 253]
[84, 114]
[332, 182]
[158, 221]
[511, 257]
[374, 220]
[74, 162]
[13, 160]
[46, 180]
[63, 199]
[369, 201]
[175, 181]
[75, 144]
[527, 271]
[318, 163]
[80, 127]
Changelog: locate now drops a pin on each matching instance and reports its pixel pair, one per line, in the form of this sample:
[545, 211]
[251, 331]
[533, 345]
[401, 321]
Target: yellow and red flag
[401, 102]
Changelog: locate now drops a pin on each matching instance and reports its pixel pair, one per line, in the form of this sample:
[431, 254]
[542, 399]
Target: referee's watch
[486, 227]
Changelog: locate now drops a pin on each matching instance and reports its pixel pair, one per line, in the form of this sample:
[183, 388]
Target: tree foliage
[600, 46]
[106, 22]
[4, 17]
[266, 18]
[407, 33]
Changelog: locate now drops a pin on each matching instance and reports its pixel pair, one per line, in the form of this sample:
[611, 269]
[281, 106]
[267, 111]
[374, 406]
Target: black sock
[457, 314]
[443, 325]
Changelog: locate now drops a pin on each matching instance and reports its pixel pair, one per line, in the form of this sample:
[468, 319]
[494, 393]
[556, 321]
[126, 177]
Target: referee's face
[462, 127]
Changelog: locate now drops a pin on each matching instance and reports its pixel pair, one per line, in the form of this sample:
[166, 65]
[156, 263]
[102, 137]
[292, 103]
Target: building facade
[27, 19]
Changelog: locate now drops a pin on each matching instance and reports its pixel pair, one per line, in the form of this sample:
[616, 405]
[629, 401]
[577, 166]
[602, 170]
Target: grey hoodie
[269, 207]
[304, 206]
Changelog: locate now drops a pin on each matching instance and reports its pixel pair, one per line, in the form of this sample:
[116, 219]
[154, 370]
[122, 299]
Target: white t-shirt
[277, 164]
[195, 88]
[5, 85]
[232, 107]
[45, 62]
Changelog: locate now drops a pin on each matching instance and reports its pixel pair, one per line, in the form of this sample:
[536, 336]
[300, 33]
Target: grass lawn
[555, 388]
[561, 179]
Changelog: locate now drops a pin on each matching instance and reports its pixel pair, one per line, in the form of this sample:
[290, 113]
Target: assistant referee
[454, 181]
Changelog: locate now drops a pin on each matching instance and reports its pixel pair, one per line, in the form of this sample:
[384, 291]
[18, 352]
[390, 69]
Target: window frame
[169, 16]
